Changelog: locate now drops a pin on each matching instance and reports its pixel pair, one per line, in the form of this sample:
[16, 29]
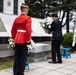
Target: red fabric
[21, 23]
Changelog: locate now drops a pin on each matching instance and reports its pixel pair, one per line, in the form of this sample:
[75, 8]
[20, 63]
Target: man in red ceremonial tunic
[21, 34]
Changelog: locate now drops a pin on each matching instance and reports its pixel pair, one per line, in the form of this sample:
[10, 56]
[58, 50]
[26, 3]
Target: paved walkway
[68, 67]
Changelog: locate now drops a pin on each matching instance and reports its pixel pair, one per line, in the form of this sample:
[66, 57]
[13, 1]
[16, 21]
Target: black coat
[56, 27]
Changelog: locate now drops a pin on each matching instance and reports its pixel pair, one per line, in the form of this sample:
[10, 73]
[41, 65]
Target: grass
[6, 63]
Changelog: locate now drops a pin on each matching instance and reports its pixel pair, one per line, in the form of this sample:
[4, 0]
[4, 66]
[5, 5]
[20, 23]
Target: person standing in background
[56, 28]
[21, 34]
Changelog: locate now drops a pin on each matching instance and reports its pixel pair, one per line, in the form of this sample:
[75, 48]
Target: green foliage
[41, 8]
[68, 39]
[6, 62]
[6, 65]
[36, 8]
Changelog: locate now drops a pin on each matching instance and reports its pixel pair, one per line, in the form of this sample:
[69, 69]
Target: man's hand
[29, 42]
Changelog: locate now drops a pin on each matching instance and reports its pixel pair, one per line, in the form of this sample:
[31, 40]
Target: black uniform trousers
[56, 50]
[21, 51]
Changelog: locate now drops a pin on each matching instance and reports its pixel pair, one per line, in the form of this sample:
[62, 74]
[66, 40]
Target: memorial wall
[10, 9]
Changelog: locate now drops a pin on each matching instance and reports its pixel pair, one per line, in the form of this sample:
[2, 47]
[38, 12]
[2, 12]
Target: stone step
[34, 59]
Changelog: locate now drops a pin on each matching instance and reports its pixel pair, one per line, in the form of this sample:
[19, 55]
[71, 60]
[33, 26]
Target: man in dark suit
[56, 28]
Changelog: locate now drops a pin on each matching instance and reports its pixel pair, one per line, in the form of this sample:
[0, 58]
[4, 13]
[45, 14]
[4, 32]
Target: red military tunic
[21, 29]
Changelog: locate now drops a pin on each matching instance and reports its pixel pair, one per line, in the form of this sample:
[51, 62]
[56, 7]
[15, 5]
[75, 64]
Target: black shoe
[52, 62]
[59, 61]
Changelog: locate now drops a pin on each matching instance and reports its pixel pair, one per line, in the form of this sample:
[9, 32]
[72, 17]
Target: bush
[68, 39]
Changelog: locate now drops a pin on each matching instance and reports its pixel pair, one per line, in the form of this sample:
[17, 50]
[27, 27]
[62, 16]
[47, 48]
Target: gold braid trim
[25, 6]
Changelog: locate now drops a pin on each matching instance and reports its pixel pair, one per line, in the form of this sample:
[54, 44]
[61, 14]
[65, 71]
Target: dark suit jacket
[56, 27]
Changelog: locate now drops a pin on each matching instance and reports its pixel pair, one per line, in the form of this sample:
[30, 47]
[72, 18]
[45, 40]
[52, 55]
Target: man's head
[24, 8]
[54, 16]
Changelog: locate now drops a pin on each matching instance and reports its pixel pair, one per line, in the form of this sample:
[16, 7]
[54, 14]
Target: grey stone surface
[65, 71]
[44, 68]
[41, 71]
[37, 59]
[74, 73]
[5, 73]
[6, 53]
[40, 47]
[36, 55]
[54, 73]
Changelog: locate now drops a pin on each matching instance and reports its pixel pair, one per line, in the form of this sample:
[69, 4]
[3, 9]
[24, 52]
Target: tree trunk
[44, 9]
[67, 24]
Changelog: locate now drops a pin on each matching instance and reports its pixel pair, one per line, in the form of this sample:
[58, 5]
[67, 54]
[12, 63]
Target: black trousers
[21, 51]
[56, 50]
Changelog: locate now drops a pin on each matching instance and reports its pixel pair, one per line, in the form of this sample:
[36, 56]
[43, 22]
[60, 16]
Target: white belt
[21, 30]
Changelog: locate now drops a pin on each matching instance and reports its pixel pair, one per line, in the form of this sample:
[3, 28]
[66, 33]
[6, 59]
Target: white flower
[49, 26]
[43, 25]
[11, 43]
[47, 23]
[32, 45]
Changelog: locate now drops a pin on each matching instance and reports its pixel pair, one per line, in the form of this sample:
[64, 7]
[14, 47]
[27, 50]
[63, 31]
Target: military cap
[24, 5]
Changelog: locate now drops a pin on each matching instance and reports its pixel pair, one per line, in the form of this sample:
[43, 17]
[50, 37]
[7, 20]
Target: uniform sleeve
[13, 31]
[29, 28]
